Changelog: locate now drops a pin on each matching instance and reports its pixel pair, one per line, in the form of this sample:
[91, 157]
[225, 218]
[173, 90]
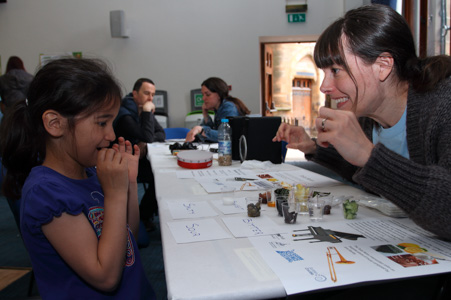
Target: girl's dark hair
[72, 87]
[14, 62]
[371, 30]
[219, 86]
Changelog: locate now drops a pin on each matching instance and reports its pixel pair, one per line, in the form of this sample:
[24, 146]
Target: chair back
[176, 132]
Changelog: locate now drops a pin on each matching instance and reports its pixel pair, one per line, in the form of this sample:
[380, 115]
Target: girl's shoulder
[47, 194]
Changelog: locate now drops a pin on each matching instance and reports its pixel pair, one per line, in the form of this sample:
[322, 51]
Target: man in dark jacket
[136, 122]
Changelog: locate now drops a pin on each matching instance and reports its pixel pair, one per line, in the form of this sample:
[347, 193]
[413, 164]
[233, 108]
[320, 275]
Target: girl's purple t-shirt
[47, 194]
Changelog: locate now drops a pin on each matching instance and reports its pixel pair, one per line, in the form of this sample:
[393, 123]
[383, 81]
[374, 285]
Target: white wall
[177, 43]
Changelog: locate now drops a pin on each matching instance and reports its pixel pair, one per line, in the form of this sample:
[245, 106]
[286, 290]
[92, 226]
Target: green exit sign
[296, 18]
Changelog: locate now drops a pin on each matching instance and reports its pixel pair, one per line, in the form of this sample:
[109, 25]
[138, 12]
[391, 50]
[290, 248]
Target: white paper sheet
[238, 207]
[214, 173]
[305, 177]
[197, 231]
[214, 185]
[303, 265]
[249, 227]
[185, 209]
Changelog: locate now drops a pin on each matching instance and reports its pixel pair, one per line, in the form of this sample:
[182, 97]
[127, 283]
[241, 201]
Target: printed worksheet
[213, 182]
[215, 185]
[214, 173]
[343, 253]
[301, 176]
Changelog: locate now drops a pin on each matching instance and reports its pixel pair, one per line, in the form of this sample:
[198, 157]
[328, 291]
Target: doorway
[290, 80]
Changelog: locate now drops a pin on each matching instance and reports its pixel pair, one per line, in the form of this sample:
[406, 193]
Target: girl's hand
[343, 131]
[296, 137]
[125, 148]
[112, 171]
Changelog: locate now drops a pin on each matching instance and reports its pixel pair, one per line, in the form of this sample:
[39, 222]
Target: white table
[213, 269]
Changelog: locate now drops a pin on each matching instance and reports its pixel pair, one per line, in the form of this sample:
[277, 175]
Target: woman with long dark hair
[390, 131]
[215, 93]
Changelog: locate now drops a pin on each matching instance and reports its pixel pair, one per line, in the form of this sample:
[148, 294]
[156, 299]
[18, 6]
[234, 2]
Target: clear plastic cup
[350, 208]
[279, 201]
[253, 204]
[228, 195]
[316, 209]
[290, 212]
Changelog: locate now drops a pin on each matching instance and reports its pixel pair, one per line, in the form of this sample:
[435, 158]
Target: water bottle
[225, 143]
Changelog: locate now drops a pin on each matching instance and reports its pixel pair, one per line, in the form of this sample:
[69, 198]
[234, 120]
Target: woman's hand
[342, 130]
[296, 137]
[191, 135]
[204, 109]
[126, 149]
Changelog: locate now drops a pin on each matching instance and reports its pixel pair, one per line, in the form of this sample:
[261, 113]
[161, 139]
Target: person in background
[215, 93]
[14, 83]
[79, 201]
[136, 122]
[390, 131]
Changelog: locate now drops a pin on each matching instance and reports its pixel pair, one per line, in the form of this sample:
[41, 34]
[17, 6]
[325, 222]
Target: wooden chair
[9, 274]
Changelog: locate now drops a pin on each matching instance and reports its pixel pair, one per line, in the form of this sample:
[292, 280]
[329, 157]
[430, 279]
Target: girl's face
[211, 100]
[343, 91]
[92, 133]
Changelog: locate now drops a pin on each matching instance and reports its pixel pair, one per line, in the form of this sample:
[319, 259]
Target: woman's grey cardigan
[421, 185]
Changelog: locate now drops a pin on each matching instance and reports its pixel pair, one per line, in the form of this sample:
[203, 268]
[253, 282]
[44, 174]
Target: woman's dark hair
[371, 30]
[72, 87]
[14, 62]
[219, 86]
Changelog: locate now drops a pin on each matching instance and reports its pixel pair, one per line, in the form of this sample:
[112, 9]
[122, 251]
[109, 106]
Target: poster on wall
[45, 58]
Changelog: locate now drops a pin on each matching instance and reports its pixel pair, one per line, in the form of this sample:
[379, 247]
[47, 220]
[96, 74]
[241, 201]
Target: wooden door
[302, 102]
[267, 101]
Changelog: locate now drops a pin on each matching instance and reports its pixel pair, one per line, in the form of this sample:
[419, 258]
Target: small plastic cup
[350, 208]
[228, 195]
[328, 199]
[290, 212]
[279, 201]
[253, 206]
[303, 204]
[301, 195]
[316, 209]
[272, 201]
[265, 196]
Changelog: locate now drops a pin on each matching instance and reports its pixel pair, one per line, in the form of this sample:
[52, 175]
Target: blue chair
[176, 132]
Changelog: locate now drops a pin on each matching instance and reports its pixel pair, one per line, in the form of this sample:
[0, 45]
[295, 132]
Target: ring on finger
[323, 124]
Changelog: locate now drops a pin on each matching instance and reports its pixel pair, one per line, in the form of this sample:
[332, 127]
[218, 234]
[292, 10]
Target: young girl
[78, 222]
